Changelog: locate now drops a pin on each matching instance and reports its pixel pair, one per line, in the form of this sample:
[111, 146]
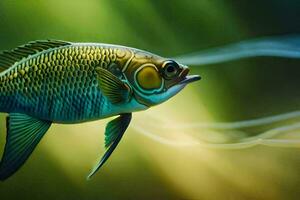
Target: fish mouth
[190, 79]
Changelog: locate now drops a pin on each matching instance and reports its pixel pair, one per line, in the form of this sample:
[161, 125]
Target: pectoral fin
[23, 134]
[113, 133]
[112, 87]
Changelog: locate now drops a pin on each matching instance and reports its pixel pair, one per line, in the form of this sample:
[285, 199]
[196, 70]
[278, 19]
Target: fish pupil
[170, 69]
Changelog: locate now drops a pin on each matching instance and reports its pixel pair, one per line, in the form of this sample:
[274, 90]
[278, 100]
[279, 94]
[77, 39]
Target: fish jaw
[190, 79]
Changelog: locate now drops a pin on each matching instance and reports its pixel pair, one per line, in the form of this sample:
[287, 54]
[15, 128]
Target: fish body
[61, 83]
[45, 82]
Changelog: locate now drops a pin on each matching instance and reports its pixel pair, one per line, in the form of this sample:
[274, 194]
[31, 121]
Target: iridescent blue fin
[23, 134]
[113, 133]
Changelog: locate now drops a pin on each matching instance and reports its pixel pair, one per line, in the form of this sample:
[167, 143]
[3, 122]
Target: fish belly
[61, 104]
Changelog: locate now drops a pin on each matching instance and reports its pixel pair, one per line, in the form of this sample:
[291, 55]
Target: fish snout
[185, 78]
[185, 71]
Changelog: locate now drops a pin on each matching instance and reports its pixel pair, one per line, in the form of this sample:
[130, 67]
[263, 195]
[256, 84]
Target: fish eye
[170, 69]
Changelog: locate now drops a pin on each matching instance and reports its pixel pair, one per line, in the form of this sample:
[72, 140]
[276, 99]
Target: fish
[54, 81]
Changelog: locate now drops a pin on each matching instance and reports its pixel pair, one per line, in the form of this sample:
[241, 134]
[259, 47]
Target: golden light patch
[148, 78]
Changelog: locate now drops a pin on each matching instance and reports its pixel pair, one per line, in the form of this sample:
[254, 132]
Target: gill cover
[148, 79]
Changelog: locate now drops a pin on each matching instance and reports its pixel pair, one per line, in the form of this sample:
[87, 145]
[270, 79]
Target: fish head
[155, 79]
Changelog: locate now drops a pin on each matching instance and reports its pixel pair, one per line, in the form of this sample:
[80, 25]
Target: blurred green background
[141, 168]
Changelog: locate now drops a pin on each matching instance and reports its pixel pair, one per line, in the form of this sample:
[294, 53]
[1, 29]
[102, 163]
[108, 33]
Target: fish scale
[55, 78]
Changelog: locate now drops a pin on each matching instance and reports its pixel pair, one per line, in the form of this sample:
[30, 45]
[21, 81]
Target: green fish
[52, 81]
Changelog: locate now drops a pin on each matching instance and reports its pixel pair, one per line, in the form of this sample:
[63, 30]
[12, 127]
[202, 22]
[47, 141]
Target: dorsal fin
[8, 58]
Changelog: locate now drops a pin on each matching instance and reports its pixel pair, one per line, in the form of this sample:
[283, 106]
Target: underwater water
[233, 135]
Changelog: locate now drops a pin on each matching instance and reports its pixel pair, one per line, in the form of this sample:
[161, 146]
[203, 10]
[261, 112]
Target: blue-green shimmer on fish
[45, 82]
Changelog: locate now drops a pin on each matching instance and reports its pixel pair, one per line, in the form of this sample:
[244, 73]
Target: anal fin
[113, 133]
[23, 134]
